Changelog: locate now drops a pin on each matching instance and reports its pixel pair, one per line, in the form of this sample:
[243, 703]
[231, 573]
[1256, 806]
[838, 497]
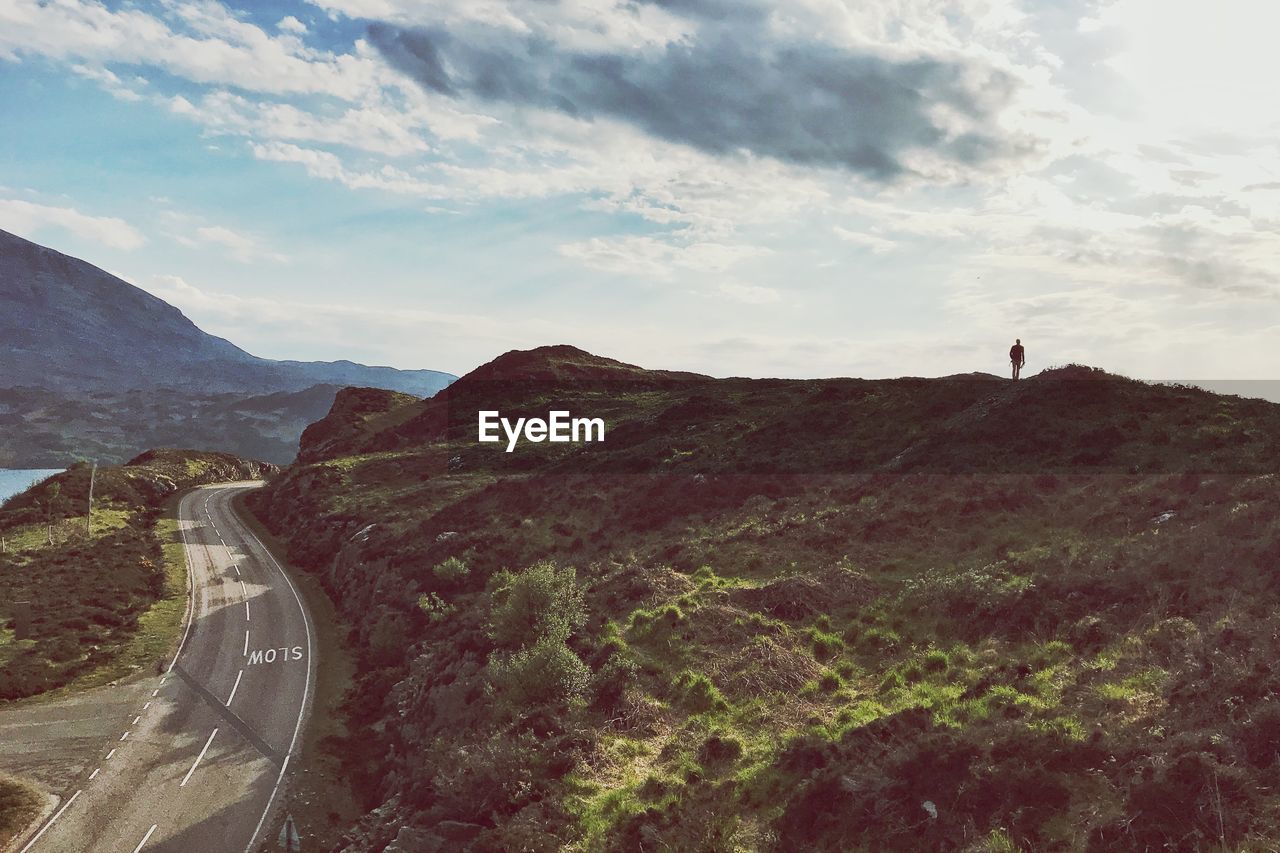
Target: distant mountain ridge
[69, 326]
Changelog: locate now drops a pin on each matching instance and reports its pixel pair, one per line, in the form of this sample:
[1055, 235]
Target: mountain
[93, 367]
[69, 326]
[943, 614]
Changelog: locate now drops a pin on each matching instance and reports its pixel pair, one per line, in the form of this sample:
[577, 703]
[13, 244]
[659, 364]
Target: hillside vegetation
[86, 603]
[789, 615]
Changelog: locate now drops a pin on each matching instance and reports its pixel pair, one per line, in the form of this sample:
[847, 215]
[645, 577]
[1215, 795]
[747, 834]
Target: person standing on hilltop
[1018, 356]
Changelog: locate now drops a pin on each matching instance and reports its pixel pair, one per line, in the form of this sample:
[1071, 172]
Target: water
[13, 481]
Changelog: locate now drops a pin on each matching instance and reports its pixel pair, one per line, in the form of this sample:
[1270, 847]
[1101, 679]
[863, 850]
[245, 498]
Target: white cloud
[750, 293]
[290, 24]
[872, 242]
[29, 219]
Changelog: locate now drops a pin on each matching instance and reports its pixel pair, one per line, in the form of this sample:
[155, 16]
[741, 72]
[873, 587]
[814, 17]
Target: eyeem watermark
[558, 427]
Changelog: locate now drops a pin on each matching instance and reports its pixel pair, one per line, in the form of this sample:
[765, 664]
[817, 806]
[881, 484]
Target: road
[193, 759]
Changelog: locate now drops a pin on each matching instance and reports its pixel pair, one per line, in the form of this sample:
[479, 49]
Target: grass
[20, 803]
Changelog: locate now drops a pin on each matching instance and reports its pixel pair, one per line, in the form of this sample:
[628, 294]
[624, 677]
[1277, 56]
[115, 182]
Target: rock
[458, 832]
[455, 463]
[411, 839]
[446, 536]
[1163, 517]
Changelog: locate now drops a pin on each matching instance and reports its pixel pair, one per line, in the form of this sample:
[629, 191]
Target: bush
[542, 602]
[697, 693]
[825, 645]
[545, 673]
[612, 680]
[452, 570]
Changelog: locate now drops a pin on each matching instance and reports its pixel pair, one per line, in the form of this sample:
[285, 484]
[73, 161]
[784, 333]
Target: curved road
[198, 765]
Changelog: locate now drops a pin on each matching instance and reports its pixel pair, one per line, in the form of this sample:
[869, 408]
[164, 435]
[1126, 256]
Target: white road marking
[191, 588]
[146, 706]
[94, 774]
[135, 720]
[306, 689]
[155, 693]
[187, 778]
[237, 568]
[109, 754]
[235, 687]
[246, 611]
[145, 837]
[65, 806]
[244, 590]
[246, 641]
[123, 736]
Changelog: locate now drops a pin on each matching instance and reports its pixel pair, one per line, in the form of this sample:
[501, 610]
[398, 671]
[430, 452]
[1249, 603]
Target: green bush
[452, 570]
[697, 693]
[825, 645]
[545, 673]
[542, 602]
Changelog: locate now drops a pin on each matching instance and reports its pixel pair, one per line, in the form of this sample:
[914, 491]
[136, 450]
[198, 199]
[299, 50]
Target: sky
[797, 188]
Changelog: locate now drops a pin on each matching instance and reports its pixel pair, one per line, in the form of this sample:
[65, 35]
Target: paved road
[197, 756]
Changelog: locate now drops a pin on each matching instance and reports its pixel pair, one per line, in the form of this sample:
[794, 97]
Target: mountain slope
[949, 614]
[69, 326]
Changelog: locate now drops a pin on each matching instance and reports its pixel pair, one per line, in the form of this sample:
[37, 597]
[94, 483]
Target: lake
[15, 480]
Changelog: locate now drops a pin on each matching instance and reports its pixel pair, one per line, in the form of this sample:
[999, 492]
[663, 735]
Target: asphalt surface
[193, 759]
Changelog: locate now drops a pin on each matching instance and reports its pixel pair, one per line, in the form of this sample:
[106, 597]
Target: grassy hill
[776, 615]
[84, 603]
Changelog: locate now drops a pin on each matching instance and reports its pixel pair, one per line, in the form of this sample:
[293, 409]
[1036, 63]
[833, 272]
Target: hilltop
[96, 367]
[954, 613]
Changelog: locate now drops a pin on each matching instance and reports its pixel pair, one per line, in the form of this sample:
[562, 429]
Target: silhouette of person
[1018, 356]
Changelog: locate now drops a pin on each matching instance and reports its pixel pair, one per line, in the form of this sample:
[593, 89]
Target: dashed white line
[246, 611]
[244, 590]
[109, 754]
[65, 806]
[155, 693]
[94, 774]
[236, 686]
[246, 642]
[145, 837]
[123, 736]
[306, 688]
[146, 706]
[135, 720]
[187, 778]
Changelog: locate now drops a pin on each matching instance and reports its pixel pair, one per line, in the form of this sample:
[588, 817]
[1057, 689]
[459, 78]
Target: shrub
[936, 660]
[718, 750]
[545, 673]
[825, 645]
[452, 570]
[611, 680]
[542, 602]
[697, 693]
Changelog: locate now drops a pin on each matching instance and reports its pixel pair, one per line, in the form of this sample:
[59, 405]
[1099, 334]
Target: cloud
[736, 90]
[290, 24]
[873, 243]
[750, 293]
[657, 258]
[203, 42]
[29, 218]
[374, 128]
